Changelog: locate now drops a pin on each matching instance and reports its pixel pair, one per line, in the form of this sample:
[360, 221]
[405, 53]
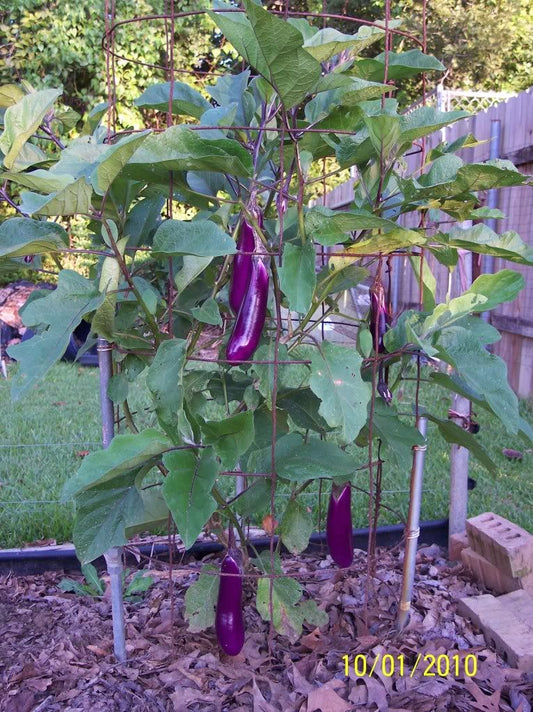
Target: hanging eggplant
[229, 622]
[379, 321]
[339, 525]
[250, 320]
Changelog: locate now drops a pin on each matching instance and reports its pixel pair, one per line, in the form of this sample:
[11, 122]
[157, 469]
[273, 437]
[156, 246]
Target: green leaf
[328, 42]
[92, 578]
[297, 275]
[185, 99]
[24, 236]
[384, 132]
[487, 292]
[165, 382]
[288, 612]
[208, 312]
[298, 461]
[328, 227]
[179, 148]
[480, 238]
[255, 498]
[60, 311]
[230, 437]
[143, 220]
[73, 199]
[39, 180]
[339, 90]
[202, 238]
[104, 319]
[429, 283]
[192, 267]
[122, 459]
[384, 242]
[399, 65]
[111, 161]
[454, 434]
[22, 119]
[289, 375]
[138, 584]
[201, 599]
[117, 388]
[303, 406]
[425, 120]
[187, 491]
[102, 515]
[274, 48]
[336, 380]
[296, 527]
[481, 371]
[398, 437]
[154, 513]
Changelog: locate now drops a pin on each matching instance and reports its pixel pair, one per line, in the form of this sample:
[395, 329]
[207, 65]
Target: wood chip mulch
[56, 650]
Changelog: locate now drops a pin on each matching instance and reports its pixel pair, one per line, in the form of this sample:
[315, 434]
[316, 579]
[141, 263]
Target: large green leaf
[22, 119]
[425, 120]
[73, 199]
[385, 243]
[143, 220]
[299, 460]
[399, 65]
[336, 380]
[335, 90]
[230, 437]
[103, 322]
[297, 275]
[24, 236]
[487, 292]
[289, 375]
[482, 371]
[187, 491]
[480, 238]
[202, 238]
[165, 382]
[328, 42]
[60, 311]
[274, 48]
[111, 161]
[454, 434]
[192, 267]
[398, 437]
[201, 599]
[39, 180]
[303, 406]
[296, 527]
[328, 227]
[288, 610]
[103, 514]
[185, 99]
[124, 456]
[179, 148]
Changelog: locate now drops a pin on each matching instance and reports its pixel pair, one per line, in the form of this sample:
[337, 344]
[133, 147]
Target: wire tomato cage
[290, 187]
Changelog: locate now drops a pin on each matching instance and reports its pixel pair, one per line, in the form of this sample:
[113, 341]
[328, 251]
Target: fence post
[113, 556]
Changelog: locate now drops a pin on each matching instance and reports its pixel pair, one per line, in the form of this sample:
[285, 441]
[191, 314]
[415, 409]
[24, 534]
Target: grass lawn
[43, 434]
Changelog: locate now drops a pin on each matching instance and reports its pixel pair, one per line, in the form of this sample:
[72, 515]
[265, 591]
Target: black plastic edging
[27, 562]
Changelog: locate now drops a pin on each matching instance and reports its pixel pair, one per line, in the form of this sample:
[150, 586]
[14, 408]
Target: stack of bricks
[498, 553]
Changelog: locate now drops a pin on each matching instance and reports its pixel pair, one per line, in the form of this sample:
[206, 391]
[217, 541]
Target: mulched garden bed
[56, 648]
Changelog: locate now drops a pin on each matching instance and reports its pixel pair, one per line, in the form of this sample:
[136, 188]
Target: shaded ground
[56, 649]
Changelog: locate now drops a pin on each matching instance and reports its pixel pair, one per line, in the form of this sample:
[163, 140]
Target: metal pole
[412, 529]
[459, 457]
[113, 556]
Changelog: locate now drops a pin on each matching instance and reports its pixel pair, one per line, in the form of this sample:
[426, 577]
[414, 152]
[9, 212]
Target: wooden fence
[507, 130]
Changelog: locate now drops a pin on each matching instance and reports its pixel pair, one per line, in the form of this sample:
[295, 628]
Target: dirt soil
[56, 650]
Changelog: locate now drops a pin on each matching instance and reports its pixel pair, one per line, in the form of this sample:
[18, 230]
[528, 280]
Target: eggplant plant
[219, 314]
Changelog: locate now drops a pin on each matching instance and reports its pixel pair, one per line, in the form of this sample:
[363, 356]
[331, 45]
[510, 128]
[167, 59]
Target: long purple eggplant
[379, 320]
[251, 317]
[339, 525]
[229, 622]
[242, 267]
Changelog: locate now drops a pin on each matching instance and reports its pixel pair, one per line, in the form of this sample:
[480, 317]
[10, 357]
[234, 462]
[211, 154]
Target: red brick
[456, 543]
[487, 574]
[504, 544]
[507, 624]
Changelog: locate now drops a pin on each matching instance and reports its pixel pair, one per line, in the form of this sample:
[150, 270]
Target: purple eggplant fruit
[229, 622]
[379, 320]
[251, 317]
[339, 525]
[379, 316]
[242, 267]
